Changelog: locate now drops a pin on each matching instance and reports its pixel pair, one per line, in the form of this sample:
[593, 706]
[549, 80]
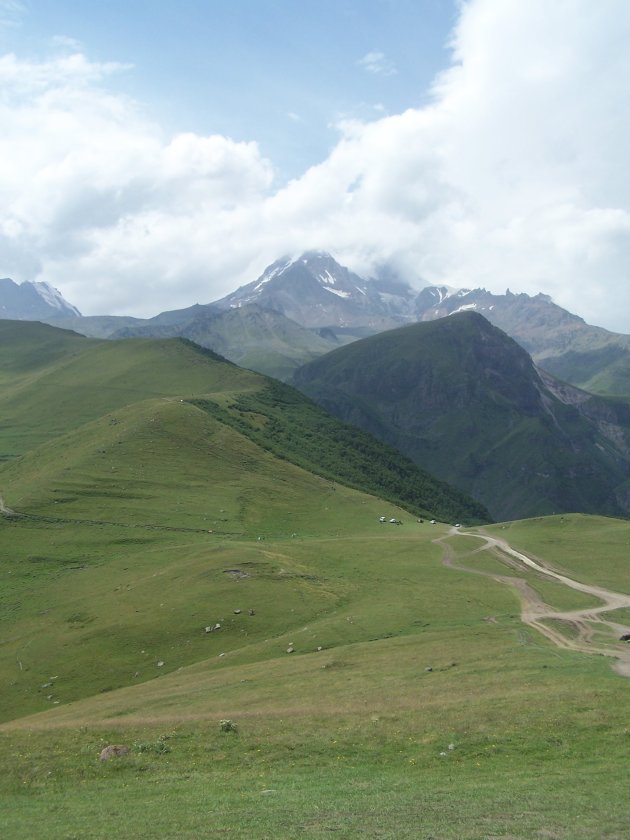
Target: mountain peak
[317, 291]
[465, 402]
[33, 301]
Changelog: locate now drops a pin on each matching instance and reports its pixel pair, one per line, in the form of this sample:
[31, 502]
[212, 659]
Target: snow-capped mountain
[536, 322]
[432, 300]
[438, 301]
[316, 291]
[560, 342]
[33, 301]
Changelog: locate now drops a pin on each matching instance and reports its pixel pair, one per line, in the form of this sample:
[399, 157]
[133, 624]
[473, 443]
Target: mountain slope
[90, 378]
[316, 291]
[250, 336]
[464, 401]
[109, 375]
[561, 343]
[118, 516]
[32, 301]
[124, 551]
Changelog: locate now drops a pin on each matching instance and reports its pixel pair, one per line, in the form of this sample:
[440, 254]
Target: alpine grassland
[181, 580]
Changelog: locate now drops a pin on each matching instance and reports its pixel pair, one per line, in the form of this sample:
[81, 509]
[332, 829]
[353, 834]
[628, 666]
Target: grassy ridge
[93, 379]
[282, 420]
[168, 463]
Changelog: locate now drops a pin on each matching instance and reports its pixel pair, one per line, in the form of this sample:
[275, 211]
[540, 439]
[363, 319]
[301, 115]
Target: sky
[157, 154]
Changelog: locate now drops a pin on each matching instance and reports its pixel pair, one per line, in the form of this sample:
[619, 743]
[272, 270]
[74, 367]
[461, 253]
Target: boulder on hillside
[113, 751]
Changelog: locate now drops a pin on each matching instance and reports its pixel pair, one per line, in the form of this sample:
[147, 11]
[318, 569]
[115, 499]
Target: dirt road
[589, 630]
[4, 510]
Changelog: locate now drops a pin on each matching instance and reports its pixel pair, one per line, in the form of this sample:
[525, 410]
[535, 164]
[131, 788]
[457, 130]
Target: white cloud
[11, 13]
[514, 175]
[377, 63]
[98, 202]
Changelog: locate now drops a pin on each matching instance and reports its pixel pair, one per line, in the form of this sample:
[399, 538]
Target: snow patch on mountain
[444, 292]
[327, 278]
[338, 292]
[54, 298]
[465, 307]
[270, 273]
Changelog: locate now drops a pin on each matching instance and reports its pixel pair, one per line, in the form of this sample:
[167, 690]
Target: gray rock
[113, 751]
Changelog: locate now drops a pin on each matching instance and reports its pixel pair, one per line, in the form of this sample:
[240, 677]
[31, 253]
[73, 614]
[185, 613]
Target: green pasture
[430, 710]
[513, 740]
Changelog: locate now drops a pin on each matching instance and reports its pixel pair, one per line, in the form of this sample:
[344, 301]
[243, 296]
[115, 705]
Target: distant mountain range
[465, 401]
[252, 337]
[315, 291]
[312, 305]
[427, 374]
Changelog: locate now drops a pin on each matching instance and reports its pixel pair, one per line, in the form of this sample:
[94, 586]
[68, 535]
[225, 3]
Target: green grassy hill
[129, 545]
[55, 380]
[105, 377]
[465, 402]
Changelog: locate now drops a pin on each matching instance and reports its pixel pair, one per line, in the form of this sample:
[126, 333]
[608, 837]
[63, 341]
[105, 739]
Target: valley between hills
[274, 613]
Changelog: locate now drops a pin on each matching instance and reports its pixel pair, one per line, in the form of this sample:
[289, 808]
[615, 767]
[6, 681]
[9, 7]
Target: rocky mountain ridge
[317, 294]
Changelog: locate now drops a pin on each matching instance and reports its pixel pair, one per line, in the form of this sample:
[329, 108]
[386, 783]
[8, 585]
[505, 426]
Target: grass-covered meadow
[430, 710]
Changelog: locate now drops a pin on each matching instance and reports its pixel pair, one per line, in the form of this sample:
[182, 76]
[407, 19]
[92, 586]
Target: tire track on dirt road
[536, 613]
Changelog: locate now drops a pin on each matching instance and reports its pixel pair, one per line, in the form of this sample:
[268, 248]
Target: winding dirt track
[4, 510]
[536, 613]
